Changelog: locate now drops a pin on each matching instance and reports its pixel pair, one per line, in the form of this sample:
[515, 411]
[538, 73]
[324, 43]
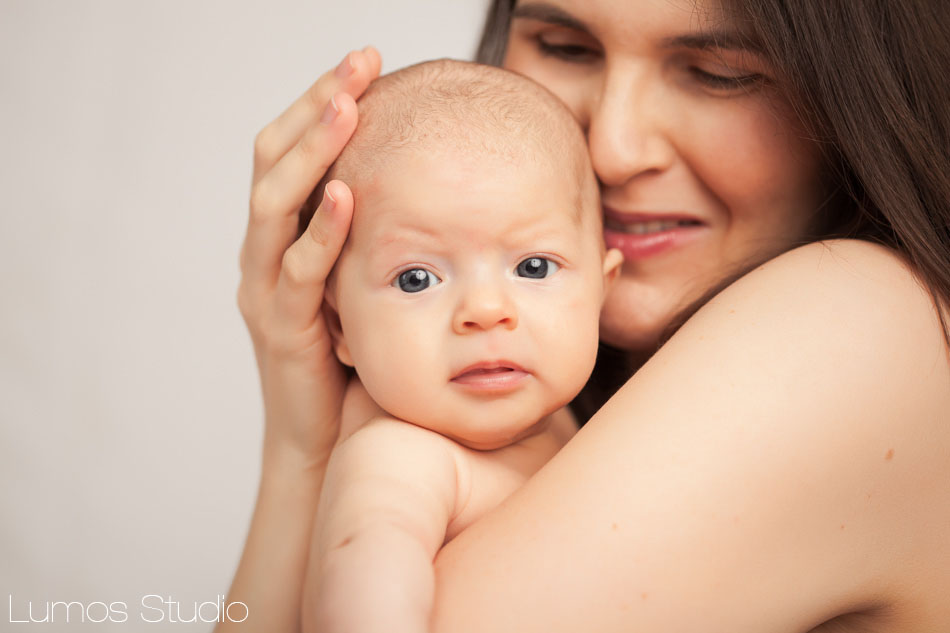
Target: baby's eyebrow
[395, 242]
[540, 235]
[410, 235]
[535, 232]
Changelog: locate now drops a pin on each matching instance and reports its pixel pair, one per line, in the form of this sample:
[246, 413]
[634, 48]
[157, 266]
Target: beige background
[130, 417]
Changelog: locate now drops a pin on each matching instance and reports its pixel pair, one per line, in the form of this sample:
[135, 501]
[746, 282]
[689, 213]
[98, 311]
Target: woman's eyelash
[577, 53]
[725, 82]
[566, 52]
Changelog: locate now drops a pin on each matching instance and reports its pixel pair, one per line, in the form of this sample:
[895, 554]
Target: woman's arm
[783, 460]
[280, 297]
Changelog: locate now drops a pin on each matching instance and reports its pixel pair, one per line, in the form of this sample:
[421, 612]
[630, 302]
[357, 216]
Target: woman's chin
[634, 342]
[632, 325]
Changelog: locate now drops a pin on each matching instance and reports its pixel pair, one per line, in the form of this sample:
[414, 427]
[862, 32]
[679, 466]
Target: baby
[466, 298]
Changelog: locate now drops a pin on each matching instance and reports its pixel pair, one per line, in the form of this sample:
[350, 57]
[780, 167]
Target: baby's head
[468, 293]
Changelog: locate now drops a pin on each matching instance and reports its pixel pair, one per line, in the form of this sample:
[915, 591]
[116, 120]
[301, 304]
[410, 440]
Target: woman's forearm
[269, 578]
[283, 277]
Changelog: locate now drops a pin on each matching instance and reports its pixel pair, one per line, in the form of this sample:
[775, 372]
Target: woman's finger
[351, 76]
[277, 198]
[295, 159]
[307, 263]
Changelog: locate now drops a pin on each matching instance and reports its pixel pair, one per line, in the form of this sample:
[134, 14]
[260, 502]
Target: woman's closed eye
[568, 52]
[725, 71]
[568, 47]
[725, 82]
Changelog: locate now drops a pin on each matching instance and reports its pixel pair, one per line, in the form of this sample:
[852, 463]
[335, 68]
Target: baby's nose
[485, 306]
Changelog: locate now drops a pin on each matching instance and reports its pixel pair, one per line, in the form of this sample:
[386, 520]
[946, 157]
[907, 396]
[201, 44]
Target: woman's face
[701, 165]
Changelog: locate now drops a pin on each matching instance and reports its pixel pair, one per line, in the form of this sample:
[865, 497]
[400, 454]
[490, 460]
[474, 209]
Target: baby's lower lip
[491, 380]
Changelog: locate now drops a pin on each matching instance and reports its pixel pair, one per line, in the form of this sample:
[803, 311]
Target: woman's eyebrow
[700, 40]
[706, 40]
[548, 13]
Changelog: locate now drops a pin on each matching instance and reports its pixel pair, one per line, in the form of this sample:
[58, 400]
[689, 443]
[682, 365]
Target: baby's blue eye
[416, 280]
[536, 268]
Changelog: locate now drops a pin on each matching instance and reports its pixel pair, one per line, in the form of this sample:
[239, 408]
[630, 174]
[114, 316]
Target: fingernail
[328, 201]
[345, 68]
[330, 113]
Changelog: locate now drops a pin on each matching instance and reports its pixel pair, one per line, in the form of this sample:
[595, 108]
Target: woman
[782, 462]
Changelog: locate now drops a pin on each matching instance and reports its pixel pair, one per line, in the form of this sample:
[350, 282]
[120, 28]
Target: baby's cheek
[402, 376]
[573, 347]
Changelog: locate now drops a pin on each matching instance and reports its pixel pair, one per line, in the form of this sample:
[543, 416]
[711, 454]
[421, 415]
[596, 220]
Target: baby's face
[469, 293]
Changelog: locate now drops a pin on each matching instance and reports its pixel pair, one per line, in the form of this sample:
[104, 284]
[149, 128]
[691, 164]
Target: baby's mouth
[479, 372]
[491, 376]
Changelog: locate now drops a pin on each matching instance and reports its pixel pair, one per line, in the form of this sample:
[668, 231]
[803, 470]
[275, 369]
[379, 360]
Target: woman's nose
[484, 306]
[627, 129]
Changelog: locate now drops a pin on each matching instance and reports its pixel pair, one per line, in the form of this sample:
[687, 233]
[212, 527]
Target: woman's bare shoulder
[783, 459]
[853, 270]
[842, 324]
[849, 300]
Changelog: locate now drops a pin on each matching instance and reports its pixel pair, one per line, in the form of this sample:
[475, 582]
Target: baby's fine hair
[467, 109]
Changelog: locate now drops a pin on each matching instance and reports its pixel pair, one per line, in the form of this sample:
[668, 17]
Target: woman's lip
[639, 217]
[640, 235]
[639, 247]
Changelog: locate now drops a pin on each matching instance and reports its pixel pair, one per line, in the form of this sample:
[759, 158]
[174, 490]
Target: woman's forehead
[682, 17]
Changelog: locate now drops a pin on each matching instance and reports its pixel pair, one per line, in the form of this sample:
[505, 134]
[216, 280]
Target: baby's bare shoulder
[387, 449]
[389, 432]
[487, 478]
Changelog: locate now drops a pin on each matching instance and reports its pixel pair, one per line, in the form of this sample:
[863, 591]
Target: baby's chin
[477, 435]
[492, 439]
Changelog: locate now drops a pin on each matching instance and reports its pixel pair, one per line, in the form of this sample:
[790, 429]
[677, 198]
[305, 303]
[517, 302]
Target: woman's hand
[281, 298]
[282, 284]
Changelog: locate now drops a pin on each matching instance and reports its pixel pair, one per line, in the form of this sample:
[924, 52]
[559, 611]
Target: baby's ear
[613, 261]
[332, 317]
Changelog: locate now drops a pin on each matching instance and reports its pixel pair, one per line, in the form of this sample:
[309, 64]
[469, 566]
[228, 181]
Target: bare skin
[280, 298]
[818, 495]
[397, 489]
[780, 465]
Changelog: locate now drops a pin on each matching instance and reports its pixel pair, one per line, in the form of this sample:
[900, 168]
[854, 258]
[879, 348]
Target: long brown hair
[868, 79]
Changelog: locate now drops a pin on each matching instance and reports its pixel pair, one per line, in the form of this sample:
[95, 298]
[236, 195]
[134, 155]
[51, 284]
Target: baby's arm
[389, 493]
